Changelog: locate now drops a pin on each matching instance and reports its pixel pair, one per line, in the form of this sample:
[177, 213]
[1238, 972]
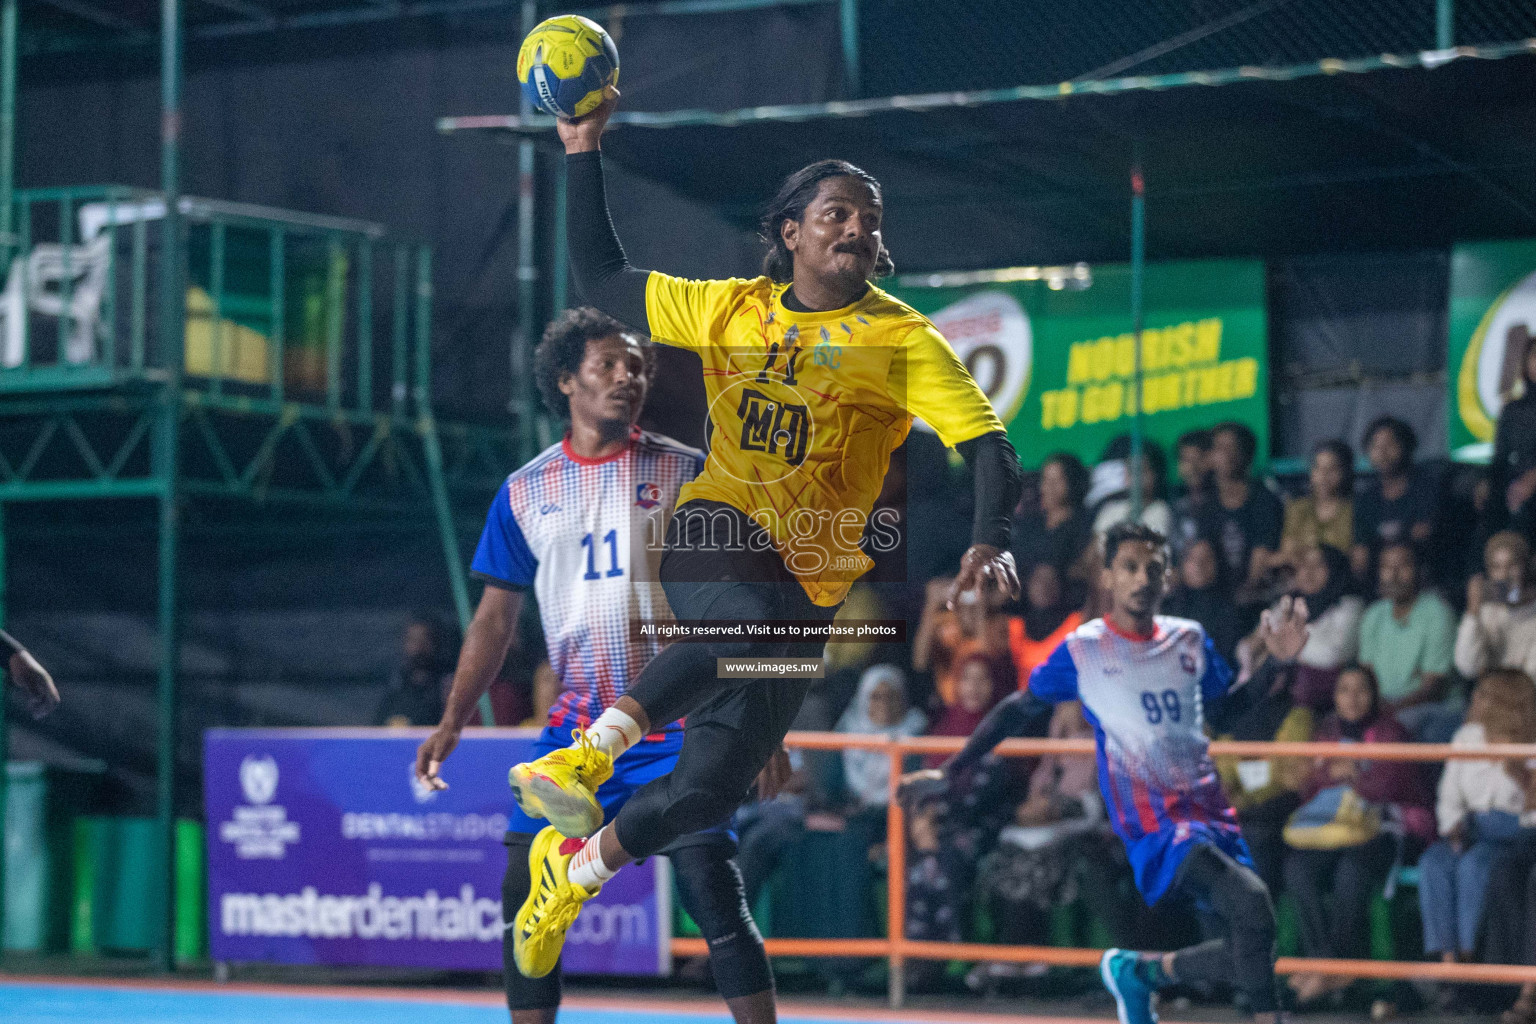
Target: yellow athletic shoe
[538, 930]
[561, 786]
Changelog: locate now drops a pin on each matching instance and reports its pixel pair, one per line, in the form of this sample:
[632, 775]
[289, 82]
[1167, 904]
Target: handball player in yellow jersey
[813, 376]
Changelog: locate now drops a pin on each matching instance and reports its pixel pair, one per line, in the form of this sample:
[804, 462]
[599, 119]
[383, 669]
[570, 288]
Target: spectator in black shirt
[1245, 519]
[1056, 528]
[1200, 592]
[1513, 469]
[1399, 504]
[1193, 494]
[429, 650]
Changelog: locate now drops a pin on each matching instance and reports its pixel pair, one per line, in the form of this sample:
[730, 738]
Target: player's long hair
[797, 192]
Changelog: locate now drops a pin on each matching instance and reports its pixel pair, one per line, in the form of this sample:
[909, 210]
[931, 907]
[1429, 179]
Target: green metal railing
[294, 296]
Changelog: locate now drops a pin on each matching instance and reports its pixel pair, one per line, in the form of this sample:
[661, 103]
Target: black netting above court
[913, 46]
[1395, 158]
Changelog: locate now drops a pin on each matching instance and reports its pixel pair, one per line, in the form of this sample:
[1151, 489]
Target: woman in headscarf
[1324, 581]
[1202, 593]
[1333, 887]
[879, 708]
[980, 683]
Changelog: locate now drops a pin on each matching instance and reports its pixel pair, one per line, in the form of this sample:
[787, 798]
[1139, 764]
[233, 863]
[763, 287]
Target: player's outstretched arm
[29, 676]
[1013, 716]
[602, 272]
[485, 648]
[995, 465]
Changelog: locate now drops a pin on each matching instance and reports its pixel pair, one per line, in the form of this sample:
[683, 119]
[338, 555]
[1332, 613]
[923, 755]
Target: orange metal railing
[897, 948]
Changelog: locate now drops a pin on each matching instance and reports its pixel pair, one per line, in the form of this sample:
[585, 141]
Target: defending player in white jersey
[1144, 680]
[581, 524]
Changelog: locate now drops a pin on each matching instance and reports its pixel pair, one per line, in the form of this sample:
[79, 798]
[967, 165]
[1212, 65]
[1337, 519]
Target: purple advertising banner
[322, 849]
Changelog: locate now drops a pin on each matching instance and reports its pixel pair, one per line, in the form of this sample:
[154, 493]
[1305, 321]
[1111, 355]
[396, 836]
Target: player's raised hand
[35, 682]
[582, 134]
[1283, 629]
[983, 565]
[430, 756]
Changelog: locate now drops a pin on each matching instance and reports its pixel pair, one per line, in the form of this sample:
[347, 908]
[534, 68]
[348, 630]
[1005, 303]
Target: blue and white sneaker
[1133, 996]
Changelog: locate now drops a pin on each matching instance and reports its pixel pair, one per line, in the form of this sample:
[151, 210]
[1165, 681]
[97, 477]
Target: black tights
[1245, 956]
[718, 567]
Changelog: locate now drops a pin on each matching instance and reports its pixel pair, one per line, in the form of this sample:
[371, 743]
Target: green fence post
[67, 277]
[1138, 271]
[7, 131]
[24, 216]
[277, 290]
[402, 297]
[432, 448]
[1445, 24]
[140, 274]
[216, 324]
[365, 325]
[334, 315]
[166, 457]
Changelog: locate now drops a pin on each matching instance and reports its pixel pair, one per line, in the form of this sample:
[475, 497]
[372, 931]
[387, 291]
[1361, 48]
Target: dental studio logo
[259, 829]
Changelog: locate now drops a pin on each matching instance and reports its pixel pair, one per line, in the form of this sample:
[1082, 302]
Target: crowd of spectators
[1423, 628]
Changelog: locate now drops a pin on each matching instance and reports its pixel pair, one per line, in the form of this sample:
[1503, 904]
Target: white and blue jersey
[1145, 698]
[587, 536]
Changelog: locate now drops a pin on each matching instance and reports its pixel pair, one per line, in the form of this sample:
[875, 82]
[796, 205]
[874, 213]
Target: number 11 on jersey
[611, 539]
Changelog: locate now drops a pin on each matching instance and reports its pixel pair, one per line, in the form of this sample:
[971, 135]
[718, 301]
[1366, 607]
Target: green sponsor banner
[1058, 364]
[1492, 322]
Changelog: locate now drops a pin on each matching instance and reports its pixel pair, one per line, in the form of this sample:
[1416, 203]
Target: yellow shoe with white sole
[538, 930]
[561, 787]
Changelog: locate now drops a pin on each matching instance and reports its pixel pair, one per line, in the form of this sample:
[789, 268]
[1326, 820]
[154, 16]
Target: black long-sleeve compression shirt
[608, 281]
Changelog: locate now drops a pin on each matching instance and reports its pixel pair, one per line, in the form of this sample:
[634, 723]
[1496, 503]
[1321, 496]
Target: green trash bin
[120, 887]
[42, 803]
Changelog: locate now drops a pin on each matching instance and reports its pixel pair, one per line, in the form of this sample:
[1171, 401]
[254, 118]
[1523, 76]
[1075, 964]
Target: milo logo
[1491, 371]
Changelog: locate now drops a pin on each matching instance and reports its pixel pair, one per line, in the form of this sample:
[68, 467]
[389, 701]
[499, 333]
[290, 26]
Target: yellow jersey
[807, 408]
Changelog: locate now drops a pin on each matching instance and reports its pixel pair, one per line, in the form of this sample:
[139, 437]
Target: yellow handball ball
[565, 64]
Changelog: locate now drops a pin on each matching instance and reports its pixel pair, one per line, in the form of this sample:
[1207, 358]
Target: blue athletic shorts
[646, 760]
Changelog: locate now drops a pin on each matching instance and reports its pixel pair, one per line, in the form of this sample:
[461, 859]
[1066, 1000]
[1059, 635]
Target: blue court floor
[25, 1002]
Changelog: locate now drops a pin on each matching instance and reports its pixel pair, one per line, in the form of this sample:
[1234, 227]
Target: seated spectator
[419, 687]
[945, 638]
[947, 838]
[1036, 866]
[1498, 629]
[1512, 473]
[977, 688]
[1333, 883]
[1114, 506]
[1326, 515]
[1323, 580]
[1264, 792]
[1201, 592]
[879, 708]
[1407, 638]
[1245, 519]
[1054, 526]
[1398, 505]
[1048, 618]
[1193, 494]
[1479, 811]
